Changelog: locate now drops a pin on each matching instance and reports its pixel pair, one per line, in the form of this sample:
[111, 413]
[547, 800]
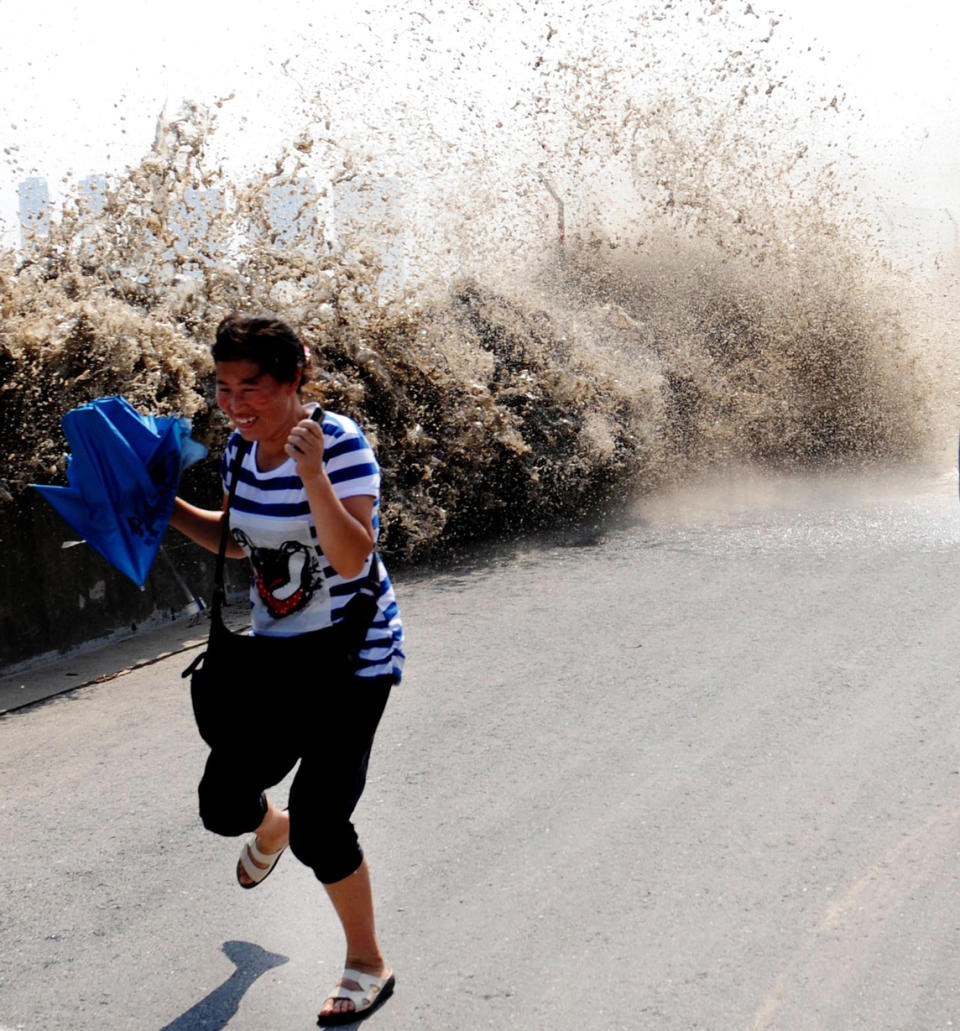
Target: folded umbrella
[123, 472]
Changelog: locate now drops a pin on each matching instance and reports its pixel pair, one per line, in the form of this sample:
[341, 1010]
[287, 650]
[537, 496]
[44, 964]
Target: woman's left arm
[344, 527]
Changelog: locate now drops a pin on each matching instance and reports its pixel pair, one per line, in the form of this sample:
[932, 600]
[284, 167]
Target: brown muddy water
[719, 298]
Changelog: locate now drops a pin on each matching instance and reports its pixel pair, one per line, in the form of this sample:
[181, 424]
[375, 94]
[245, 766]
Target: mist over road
[701, 769]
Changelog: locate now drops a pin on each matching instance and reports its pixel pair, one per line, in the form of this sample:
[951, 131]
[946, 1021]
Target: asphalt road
[700, 771]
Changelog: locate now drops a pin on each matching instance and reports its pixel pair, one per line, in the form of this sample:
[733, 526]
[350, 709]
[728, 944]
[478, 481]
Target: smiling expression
[260, 406]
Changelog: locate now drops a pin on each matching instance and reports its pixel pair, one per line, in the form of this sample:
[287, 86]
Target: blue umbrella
[123, 471]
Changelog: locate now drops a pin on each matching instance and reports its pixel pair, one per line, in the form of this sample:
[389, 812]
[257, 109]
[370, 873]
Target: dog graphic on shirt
[286, 577]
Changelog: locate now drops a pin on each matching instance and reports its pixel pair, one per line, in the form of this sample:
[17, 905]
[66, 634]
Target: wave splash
[716, 302]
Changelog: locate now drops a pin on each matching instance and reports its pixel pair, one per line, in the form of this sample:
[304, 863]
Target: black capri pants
[332, 744]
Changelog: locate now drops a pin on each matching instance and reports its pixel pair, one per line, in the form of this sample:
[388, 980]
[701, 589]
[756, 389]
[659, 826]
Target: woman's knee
[332, 852]
[226, 811]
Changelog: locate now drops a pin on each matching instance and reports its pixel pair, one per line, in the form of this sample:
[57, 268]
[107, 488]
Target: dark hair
[264, 340]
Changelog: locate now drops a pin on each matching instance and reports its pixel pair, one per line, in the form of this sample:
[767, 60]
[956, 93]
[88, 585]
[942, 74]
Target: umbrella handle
[196, 605]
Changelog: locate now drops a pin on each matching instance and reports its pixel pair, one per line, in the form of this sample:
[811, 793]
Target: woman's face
[260, 406]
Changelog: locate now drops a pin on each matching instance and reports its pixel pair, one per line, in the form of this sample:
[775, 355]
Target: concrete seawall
[55, 598]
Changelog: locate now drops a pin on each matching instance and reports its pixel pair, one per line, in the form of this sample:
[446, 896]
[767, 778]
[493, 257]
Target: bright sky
[898, 65]
[81, 85]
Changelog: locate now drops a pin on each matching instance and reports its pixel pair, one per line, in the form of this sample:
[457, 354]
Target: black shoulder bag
[237, 674]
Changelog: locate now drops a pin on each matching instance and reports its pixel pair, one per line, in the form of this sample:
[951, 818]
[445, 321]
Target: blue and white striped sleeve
[348, 458]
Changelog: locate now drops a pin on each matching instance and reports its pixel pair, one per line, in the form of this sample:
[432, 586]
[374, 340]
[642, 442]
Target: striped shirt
[293, 588]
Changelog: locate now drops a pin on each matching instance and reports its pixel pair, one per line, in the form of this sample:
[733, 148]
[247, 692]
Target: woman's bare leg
[352, 898]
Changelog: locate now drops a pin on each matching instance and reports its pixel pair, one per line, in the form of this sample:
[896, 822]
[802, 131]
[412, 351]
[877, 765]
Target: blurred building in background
[360, 214]
[33, 198]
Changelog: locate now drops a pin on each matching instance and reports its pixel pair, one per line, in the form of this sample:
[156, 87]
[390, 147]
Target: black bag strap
[219, 593]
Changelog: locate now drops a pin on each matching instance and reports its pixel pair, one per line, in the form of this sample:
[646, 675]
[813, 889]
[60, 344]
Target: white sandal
[370, 993]
[250, 856]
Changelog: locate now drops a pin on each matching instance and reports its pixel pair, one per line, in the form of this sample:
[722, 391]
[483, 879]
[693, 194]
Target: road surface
[700, 770]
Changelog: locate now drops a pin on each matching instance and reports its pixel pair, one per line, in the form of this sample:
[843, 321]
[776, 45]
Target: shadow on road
[217, 1009]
